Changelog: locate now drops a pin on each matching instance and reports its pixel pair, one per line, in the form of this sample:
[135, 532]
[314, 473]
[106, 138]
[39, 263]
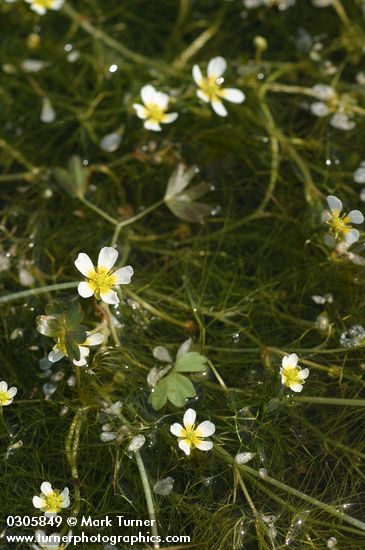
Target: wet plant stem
[72, 447]
[35, 292]
[218, 377]
[227, 458]
[329, 401]
[137, 454]
[133, 219]
[98, 211]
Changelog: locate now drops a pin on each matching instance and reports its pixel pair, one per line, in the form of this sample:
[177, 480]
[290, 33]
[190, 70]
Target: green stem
[72, 447]
[133, 219]
[98, 210]
[35, 292]
[148, 495]
[329, 401]
[226, 457]
[113, 332]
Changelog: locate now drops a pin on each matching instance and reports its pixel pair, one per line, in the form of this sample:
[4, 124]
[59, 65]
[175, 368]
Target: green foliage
[175, 387]
[74, 179]
[181, 201]
[62, 322]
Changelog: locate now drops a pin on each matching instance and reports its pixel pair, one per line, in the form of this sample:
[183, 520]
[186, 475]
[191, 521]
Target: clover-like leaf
[74, 179]
[181, 201]
[190, 362]
[175, 388]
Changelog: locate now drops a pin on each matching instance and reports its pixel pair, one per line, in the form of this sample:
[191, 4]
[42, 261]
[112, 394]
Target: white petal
[124, 275]
[152, 125]
[85, 289]
[148, 93]
[55, 355]
[84, 264]
[205, 445]
[352, 236]
[323, 92]
[12, 391]
[185, 446]
[107, 257]
[162, 354]
[162, 100]
[293, 360]
[3, 386]
[184, 348]
[46, 488]
[57, 4]
[189, 418]
[334, 203]
[219, 108]
[38, 502]
[203, 96]
[177, 429]
[65, 493]
[38, 9]
[304, 373]
[109, 297]
[169, 117]
[65, 503]
[319, 109]
[233, 95]
[356, 216]
[285, 361]
[84, 354]
[216, 67]
[197, 75]
[296, 387]
[206, 428]
[95, 339]
[141, 111]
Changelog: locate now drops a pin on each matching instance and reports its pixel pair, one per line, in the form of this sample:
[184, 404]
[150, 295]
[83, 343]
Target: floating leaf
[190, 362]
[74, 180]
[182, 203]
[174, 387]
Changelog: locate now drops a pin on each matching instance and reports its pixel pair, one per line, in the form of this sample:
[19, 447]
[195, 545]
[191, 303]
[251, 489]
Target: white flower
[6, 394]
[329, 102]
[101, 280]
[153, 112]
[210, 89]
[51, 501]
[189, 436]
[59, 350]
[41, 6]
[292, 375]
[339, 224]
[51, 542]
[281, 4]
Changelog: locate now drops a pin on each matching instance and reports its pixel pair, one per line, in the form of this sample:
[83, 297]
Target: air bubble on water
[239, 535]
[359, 174]
[107, 436]
[137, 443]
[48, 390]
[68, 47]
[164, 486]
[16, 333]
[74, 56]
[235, 337]
[328, 162]
[296, 528]
[113, 68]
[12, 448]
[243, 458]
[263, 473]
[110, 142]
[85, 162]
[48, 114]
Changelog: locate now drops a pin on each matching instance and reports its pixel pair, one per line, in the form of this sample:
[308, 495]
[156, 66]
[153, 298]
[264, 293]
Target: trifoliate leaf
[180, 202]
[175, 388]
[190, 362]
[74, 180]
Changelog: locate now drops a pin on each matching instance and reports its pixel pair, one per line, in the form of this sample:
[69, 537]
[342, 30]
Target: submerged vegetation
[179, 187]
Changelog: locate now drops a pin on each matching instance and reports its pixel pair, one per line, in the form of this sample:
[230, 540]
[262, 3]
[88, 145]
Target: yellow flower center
[4, 397]
[339, 224]
[291, 376]
[53, 502]
[210, 87]
[193, 436]
[155, 112]
[43, 3]
[101, 280]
